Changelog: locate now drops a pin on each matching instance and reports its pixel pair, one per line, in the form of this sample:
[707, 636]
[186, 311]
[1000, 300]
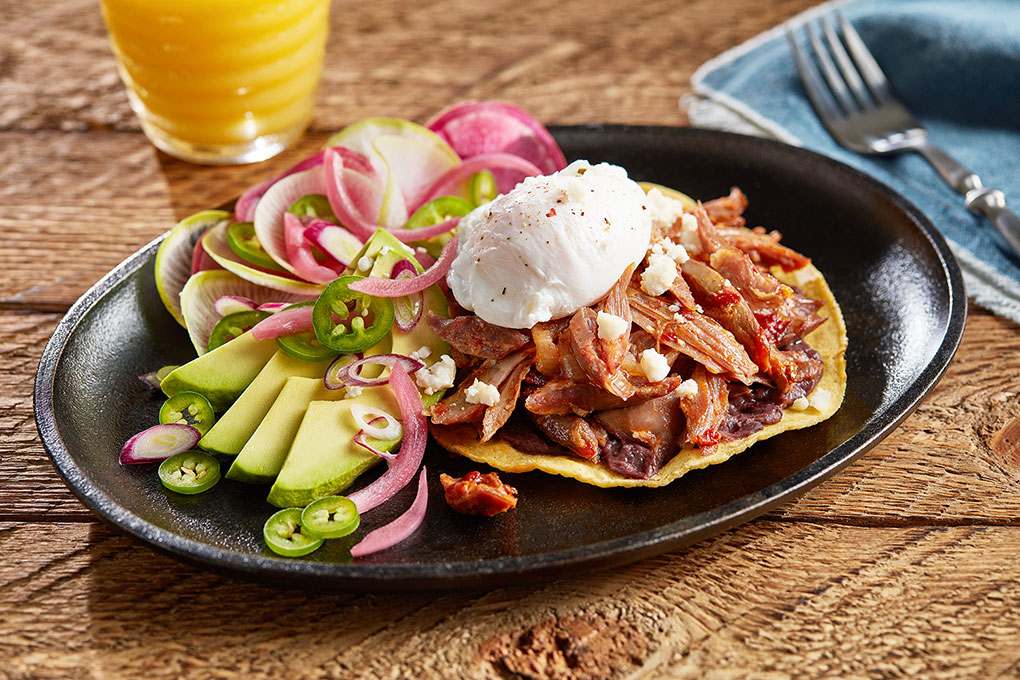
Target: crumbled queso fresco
[438, 376]
[482, 393]
[611, 326]
[654, 365]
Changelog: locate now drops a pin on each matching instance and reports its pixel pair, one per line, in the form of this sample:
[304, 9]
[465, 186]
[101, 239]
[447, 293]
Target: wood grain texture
[761, 601]
[904, 565]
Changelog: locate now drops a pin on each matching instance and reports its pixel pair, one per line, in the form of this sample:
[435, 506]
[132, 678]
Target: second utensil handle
[981, 201]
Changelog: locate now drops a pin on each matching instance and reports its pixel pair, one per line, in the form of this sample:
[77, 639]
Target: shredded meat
[615, 349]
[783, 313]
[655, 424]
[478, 494]
[583, 332]
[561, 396]
[509, 389]
[475, 336]
[728, 210]
[706, 410]
[548, 359]
[577, 434]
[506, 374]
[692, 334]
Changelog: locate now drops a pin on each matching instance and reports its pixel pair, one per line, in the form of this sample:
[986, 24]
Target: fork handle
[981, 201]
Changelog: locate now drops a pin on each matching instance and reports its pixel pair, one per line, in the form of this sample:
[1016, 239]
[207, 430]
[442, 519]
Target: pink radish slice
[374, 285]
[399, 529]
[412, 448]
[337, 242]
[344, 372]
[299, 252]
[158, 443]
[515, 169]
[474, 128]
[231, 304]
[288, 322]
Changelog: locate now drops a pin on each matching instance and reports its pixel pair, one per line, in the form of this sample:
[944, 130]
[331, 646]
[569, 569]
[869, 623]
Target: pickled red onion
[342, 186]
[299, 252]
[412, 449]
[244, 208]
[230, 304]
[368, 417]
[407, 310]
[345, 372]
[288, 322]
[447, 184]
[399, 529]
[392, 288]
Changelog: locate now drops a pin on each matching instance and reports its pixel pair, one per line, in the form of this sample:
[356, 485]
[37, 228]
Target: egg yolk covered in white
[550, 246]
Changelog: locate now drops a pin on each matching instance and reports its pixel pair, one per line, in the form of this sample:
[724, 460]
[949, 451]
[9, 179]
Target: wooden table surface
[907, 564]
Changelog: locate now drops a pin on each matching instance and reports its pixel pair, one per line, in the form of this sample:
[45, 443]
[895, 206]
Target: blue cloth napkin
[956, 65]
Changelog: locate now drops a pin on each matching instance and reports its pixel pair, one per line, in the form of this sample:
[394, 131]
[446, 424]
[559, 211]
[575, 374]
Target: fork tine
[828, 69]
[846, 67]
[817, 92]
[866, 63]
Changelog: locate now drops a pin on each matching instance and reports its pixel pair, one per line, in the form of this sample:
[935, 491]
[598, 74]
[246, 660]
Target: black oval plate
[896, 281]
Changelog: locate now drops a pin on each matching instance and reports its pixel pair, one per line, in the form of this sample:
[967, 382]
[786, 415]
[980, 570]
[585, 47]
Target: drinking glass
[220, 81]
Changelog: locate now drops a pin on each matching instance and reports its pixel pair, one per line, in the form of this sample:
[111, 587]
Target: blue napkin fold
[955, 64]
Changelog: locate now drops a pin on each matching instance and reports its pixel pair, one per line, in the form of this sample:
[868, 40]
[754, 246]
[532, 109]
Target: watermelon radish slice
[413, 164]
[269, 224]
[175, 255]
[215, 243]
[198, 301]
[473, 128]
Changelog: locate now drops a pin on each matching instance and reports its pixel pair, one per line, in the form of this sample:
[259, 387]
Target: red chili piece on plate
[478, 494]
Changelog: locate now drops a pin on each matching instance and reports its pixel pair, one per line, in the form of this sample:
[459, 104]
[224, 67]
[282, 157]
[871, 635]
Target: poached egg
[551, 245]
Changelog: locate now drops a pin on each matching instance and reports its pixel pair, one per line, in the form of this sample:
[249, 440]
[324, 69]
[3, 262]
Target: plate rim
[531, 568]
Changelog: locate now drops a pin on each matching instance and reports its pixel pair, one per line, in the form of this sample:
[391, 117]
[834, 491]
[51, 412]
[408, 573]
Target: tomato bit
[478, 494]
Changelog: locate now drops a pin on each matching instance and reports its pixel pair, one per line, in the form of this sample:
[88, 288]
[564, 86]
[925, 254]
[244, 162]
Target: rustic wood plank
[761, 601]
[939, 466]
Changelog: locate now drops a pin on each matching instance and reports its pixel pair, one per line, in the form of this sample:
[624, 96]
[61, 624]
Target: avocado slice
[324, 459]
[233, 429]
[222, 374]
[263, 454]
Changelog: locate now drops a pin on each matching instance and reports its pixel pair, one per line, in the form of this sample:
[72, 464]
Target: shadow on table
[192, 187]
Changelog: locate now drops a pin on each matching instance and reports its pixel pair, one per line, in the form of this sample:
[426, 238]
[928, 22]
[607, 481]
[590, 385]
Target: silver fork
[856, 103]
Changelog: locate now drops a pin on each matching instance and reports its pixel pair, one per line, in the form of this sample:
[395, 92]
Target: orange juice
[220, 81]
